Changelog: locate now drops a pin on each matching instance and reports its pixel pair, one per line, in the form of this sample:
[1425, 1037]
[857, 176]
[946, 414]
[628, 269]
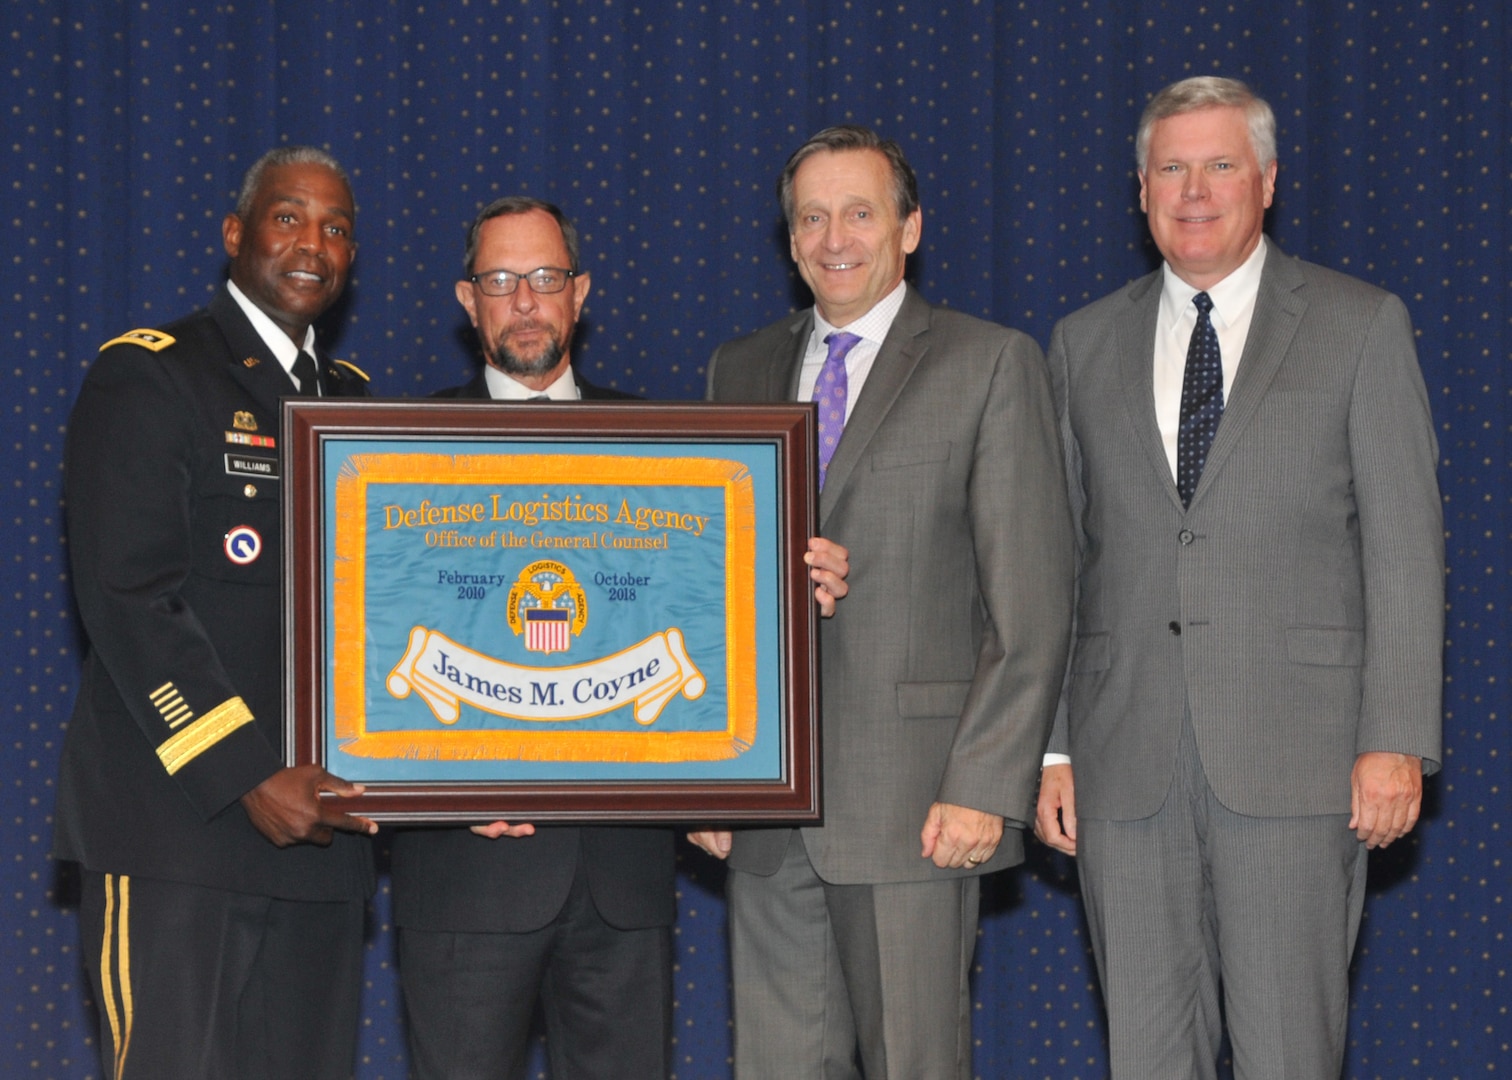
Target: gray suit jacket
[1297, 607]
[940, 670]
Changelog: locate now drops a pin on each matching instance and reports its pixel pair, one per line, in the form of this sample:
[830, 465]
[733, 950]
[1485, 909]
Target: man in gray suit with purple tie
[1255, 685]
[851, 942]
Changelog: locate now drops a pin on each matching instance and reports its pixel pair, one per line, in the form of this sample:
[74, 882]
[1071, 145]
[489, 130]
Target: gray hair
[285, 155]
[1207, 92]
[519, 204]
[852, 137]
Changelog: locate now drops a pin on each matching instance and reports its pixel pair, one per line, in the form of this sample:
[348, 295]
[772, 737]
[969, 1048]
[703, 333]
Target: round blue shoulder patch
[243, 545]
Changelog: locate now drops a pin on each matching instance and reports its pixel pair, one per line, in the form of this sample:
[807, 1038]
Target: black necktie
[1201, 401]
[306, 375]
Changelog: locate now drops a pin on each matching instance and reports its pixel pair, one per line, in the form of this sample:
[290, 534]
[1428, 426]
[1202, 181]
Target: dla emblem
[548, 606]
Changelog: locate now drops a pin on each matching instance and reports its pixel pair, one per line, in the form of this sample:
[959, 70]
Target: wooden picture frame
[555, 612]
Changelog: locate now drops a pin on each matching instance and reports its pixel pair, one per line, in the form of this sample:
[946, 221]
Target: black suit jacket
[451, 880]
[172, 490]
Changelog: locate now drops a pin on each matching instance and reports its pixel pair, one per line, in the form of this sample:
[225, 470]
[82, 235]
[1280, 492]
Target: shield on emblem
[547, 630]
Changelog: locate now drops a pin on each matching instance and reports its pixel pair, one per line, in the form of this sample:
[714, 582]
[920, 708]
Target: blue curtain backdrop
[660, 126]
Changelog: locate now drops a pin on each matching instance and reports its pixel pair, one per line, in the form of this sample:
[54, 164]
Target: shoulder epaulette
[354, 369]
[155, 340]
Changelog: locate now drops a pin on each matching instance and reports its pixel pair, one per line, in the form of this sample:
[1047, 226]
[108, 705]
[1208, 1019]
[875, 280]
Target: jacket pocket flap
[910, 455]
[1094, 652]
[1327, 646]
[923, 699]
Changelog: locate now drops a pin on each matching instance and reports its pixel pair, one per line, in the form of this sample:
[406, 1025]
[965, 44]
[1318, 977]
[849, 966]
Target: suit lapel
[782, 377]
[907, 342]
[1136, 352]
[252, 363]
[1278, 313]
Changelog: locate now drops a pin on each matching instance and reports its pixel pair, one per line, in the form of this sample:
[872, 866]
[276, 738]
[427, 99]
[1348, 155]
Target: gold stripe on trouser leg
[115, 967]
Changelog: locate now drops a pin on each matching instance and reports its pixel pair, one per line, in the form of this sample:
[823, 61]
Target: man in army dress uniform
[222, 903]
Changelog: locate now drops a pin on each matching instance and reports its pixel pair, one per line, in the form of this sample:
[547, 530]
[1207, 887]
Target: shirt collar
[502, 387]
[873, 326]
[284, 350]
[1230, 296]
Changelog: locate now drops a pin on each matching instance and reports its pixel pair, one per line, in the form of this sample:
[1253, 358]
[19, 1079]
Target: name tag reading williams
[248, 465]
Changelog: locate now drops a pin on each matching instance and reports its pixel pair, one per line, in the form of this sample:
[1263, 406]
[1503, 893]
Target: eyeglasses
[543, 279]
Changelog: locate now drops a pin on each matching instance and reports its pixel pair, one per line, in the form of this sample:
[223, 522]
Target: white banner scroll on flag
[445, 674]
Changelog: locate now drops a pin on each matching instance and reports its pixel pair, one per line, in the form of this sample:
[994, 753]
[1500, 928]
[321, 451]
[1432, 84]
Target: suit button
[250, 491]
[1186, 536]
[1175, 628]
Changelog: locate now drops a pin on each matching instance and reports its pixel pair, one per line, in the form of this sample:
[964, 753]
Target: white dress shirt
[502, 387]
[872, 328]
[284, 350]
[1233, 308]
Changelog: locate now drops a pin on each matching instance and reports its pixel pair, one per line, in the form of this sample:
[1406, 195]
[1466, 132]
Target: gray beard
[511, 363]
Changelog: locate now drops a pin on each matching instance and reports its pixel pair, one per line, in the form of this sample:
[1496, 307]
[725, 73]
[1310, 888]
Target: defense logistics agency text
[573, 510]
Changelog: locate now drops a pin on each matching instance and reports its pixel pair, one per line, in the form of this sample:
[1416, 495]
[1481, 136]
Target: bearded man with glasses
[494, 918]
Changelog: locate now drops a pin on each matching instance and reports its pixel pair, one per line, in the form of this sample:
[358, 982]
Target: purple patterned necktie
[1201, 401]
[829, 393]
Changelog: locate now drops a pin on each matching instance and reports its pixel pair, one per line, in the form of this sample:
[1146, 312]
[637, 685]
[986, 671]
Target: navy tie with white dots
[830, 391]
[1201, 401]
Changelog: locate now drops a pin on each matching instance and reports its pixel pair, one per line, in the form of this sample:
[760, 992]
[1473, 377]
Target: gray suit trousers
[1198, 900]
[817, 962]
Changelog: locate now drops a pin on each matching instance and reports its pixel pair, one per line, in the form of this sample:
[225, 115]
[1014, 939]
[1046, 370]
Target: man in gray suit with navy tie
[940, 670]
[1255, 685]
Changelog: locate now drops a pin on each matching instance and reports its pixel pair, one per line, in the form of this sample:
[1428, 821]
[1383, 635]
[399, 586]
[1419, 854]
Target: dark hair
[1209, 92]
[285, 155]
[852, 137]
[519, 204]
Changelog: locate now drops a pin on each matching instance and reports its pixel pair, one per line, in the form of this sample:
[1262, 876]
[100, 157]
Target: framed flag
[584, 612]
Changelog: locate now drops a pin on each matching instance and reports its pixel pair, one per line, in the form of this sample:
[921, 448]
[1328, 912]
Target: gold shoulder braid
[155, 340]
[354, 369]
